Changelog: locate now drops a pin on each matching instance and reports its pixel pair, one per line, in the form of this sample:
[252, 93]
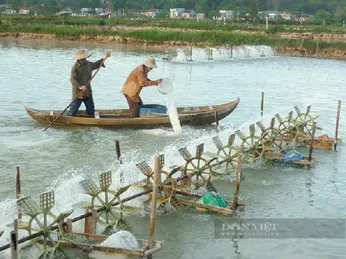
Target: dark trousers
[133, 106]
[89, 105]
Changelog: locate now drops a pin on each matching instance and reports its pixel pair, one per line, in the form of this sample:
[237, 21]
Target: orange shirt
[136, 80]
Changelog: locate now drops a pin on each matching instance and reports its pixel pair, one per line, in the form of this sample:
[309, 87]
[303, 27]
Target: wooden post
[90, 222]
[217, 120]
[237, 181]
[14, 240]
[262, 103]
[118, 155]
[337, 125]
[301, 44]
[210, 54]
[117, 151]
[68, 226]
[19, 212]
[190, 54]
[312, 140]
[157, 176]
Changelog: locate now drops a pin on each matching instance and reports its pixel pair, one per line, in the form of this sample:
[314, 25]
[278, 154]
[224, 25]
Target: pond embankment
[317, 45]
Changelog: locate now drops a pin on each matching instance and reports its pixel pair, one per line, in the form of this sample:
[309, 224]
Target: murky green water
[36, 74]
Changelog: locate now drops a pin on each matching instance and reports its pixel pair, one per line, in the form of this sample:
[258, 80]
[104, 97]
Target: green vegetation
[160, 30]
[208, 37]
[204, 25]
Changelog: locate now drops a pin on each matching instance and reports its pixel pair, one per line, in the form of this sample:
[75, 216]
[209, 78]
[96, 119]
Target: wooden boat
[120, 118]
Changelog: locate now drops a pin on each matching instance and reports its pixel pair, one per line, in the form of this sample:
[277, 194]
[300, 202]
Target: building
[24, 11]
[66, 12]
[304, 18]
[9, 11]
[98, 11]
[272, 15]
[150, 13]
[200, 16]
[226, 15]
[176, 12]
[85, 11]
[188, 14]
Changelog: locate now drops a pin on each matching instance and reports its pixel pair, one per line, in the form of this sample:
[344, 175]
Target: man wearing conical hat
[135, 82]
[81, 74]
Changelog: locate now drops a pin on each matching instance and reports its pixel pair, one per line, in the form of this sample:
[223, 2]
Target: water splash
[218, 54]
[173, 115]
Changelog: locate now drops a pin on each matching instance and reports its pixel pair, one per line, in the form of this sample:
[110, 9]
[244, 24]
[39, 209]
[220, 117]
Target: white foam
[184, 55]
[173, 115]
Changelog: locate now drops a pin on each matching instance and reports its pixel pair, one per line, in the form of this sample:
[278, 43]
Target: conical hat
[82, 54]
[150, 62]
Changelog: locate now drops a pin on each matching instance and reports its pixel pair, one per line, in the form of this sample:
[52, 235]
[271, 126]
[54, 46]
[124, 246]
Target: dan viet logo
[280, 228]
[248, 229]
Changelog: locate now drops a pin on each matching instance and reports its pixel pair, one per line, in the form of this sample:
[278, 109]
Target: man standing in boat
[134, 83]
[81, 76]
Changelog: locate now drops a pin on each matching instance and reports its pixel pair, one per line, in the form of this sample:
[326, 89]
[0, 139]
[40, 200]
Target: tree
[253, 8]
[163, 14]
[323, 16]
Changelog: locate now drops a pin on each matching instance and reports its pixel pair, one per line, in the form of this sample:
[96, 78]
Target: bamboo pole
[157, 176]
[337, 125]
[18, 192]
[312, 140]
[14, 240]
[262, 103]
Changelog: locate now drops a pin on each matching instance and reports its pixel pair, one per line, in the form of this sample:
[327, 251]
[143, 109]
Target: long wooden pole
[50, 124]
[18, 192]
[337, 125]
[157, 176]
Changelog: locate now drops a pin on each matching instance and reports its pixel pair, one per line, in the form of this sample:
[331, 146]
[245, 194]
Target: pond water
[36, 74]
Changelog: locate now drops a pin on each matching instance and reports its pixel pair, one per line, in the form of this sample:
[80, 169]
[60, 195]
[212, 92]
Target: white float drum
[121, 239]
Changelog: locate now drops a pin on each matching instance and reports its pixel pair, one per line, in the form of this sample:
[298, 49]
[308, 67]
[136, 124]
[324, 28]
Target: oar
[103, 61]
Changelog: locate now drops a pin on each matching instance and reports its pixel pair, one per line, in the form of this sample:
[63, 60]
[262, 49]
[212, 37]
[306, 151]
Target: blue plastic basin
[149, 109]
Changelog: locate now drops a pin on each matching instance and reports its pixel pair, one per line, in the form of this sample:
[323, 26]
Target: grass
[206, 31]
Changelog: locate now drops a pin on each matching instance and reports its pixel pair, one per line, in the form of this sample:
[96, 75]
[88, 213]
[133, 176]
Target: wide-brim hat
[82, 54]
[150, 62]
